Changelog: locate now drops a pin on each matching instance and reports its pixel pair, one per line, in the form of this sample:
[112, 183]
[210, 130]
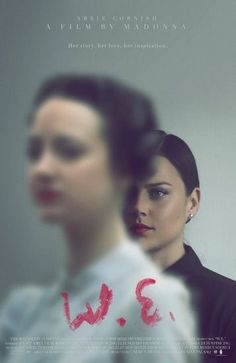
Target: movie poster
[181, 54]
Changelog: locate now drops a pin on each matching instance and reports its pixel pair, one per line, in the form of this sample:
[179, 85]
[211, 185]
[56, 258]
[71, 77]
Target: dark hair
[179, 154]
[128, 117]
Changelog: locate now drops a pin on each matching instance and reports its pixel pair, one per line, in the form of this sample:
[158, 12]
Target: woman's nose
[140, 208]
[44, 168]
[139, 214]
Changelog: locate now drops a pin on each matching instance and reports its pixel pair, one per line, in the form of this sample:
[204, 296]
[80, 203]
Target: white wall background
[192, 81]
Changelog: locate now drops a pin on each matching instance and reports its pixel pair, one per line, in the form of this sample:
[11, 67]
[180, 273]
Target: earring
[189, 218]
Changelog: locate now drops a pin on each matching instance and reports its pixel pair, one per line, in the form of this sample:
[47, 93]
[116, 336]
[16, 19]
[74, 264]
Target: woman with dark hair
[157, 213]
[87, 136]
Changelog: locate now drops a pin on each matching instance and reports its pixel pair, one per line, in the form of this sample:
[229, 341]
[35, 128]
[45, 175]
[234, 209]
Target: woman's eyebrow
[151, 185]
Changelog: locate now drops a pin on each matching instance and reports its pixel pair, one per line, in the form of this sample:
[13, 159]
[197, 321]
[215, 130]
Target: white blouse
[34, 328]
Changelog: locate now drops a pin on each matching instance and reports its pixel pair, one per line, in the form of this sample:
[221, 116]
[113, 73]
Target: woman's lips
[139, 229]
[47, 196]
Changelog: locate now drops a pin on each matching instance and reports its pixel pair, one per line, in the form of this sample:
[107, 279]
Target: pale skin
[68, 154]
[163, 204]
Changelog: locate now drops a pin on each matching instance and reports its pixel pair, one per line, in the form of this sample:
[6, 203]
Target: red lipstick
[47, 196]
[139, 229]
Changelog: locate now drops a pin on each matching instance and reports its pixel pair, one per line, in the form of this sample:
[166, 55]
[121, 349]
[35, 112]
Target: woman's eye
[156, 193]
[70, 152]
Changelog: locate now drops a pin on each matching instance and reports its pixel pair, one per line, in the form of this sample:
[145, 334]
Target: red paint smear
[147, 303]
[121, 321]
[89, 316]
[172, 316]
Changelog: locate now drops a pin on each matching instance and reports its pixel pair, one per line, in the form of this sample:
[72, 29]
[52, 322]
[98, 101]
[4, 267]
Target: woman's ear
[193, 204]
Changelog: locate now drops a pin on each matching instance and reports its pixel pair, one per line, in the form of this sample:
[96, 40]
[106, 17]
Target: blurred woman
[87, 137]
[157, 212]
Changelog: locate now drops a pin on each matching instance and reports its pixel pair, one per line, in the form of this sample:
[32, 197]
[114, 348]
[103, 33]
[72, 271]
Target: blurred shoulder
[21, 302]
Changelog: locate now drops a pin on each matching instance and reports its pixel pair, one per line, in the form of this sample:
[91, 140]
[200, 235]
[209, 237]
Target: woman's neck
[166, 256]
[86, 245]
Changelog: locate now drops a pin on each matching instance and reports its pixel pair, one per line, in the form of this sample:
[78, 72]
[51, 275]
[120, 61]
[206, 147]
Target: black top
[214, 298]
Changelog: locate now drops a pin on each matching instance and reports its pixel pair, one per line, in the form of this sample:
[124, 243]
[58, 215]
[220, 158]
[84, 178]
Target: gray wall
[192, 81]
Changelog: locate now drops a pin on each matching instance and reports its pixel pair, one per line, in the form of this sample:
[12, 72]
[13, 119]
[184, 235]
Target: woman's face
[69, 164]
[158, 213]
